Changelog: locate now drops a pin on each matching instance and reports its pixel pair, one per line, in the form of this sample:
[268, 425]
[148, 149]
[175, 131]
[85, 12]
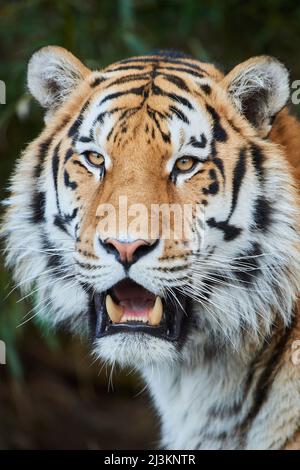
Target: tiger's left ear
[259, 89]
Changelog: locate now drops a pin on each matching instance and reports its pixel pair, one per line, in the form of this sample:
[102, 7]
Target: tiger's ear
[259, 88]
[53, 73]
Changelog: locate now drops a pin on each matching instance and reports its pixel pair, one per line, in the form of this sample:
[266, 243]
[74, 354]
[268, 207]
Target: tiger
[209, 318]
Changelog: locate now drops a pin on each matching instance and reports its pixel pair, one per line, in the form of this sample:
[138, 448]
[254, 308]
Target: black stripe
[212, 189]
[173, 96]
[55, 168]
[174, 269]
[69, 154]
[54, 260]
[262, 214]
[43, 150]
[101, 116]
[68, 183]
[61, 221]
[219, 164]
[87, 266]
[219, 132]
[77, 162]
[179, 114]
[182, 69]
[97, 82]
[238, 176]
[38, 207]
[72, 216]
[133, 91]
[85, 139]
[45, 145]
[178, 81]
[265, 381]
[125, 67]
[38, 201]
[129, 78]
[198, 143]
[206, 88]
[223, 410]
[77, 123]
[75, 126]
[250, 260]
[230, 231]
[233, 126]
[152, 114]
[257, 159]
[199, 172]
[212, 174]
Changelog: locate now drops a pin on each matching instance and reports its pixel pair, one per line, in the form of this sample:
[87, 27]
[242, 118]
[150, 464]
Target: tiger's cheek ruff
[40, 245]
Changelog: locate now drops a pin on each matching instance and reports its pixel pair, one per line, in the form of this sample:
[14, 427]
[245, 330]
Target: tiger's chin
[133, 326]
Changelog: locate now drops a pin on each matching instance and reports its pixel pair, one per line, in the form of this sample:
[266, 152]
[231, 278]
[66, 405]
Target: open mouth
[129, 307]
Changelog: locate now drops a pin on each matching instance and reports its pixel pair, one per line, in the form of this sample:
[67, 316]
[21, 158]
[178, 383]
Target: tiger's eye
[185, 163]
[94, 158]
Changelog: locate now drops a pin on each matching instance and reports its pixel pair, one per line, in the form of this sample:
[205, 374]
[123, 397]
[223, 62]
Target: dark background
[52, 395]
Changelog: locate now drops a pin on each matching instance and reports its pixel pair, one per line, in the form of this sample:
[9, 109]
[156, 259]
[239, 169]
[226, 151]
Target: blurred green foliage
[102, 31]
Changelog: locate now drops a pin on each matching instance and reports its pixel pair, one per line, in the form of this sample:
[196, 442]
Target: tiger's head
[162, 131]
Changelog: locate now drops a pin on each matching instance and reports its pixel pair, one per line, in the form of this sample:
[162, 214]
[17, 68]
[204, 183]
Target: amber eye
[94, 158]
[185, 163]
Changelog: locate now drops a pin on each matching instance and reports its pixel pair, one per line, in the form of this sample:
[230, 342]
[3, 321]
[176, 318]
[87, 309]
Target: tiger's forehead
[163, 99]
[168, 66]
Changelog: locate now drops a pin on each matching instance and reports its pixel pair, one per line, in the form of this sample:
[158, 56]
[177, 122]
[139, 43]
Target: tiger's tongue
[135, 299]
[132, 302]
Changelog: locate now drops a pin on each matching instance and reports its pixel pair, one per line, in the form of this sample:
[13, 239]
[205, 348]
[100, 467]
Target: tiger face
[152, 132]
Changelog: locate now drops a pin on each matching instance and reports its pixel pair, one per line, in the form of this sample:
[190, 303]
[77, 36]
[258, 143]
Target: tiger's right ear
[53, 73]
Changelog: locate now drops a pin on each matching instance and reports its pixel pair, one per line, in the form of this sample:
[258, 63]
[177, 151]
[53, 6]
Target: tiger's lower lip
[167, 323]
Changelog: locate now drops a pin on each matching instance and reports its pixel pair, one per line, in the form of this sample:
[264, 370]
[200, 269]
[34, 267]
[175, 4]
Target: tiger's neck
[231, 400]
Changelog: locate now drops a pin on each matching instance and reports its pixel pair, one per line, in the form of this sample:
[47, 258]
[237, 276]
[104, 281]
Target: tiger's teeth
[114, 311]
[155, 314]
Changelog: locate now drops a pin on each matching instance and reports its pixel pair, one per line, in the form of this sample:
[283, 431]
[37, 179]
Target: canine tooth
[156, 312]
[114, 311]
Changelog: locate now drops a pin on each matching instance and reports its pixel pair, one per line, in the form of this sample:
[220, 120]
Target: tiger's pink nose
[127, 252]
